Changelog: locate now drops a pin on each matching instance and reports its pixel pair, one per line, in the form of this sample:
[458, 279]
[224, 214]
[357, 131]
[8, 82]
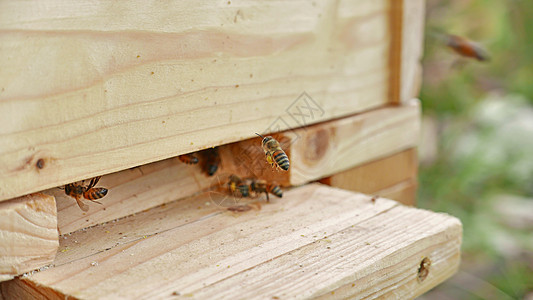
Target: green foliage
[485, 148]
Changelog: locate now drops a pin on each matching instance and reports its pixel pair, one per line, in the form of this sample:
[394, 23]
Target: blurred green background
[476, 153]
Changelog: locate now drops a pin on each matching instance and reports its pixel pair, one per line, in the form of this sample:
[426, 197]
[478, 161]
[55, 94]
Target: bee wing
[93, 182]
[82, 205]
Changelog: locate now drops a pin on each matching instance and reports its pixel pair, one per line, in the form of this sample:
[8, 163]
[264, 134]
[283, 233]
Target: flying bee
[210, 160]
[237, 187]
[466, 47]
[261, 186]
[274, 154]
[189, 159]
[79, 191]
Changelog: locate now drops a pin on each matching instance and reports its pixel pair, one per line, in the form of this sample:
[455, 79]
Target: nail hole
[423, 270]
[40, 163]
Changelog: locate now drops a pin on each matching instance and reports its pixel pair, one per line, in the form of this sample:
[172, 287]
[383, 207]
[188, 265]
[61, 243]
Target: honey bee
[274, 154]
[237, 187]
[77, 191]
[466, 47]
[261, 186]
[189, 159]
[250, 187]
[210, 160]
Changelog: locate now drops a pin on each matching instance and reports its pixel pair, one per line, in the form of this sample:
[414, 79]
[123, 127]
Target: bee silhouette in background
[79, 191]
[462, 46]
[274, 154]
[261, 186]
[237, 187]
[466, 47]
[189, 159]
[210, 160]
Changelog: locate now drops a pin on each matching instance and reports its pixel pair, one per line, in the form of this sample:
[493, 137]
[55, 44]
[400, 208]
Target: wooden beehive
[120, 89]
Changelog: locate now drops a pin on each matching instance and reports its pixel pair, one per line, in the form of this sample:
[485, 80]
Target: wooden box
[119, 89]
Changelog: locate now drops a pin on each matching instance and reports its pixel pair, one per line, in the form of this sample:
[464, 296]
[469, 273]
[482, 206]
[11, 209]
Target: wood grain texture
[322, 151]
[28, 234]
[140, 188]
[99, 87]
[404, 192]
[316, 241]
[132, 191]
[407, 38]
[395, 52]
[386, 177]
[412, 48]
[330, 147]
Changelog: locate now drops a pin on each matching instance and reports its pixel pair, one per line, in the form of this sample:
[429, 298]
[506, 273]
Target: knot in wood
[423, 269]
[316, 145]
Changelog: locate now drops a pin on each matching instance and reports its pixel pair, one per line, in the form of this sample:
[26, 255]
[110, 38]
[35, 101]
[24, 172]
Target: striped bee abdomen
[281, 159]
[95, 193]
[275, 190]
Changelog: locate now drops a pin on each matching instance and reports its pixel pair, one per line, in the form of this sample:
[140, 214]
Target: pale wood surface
[316, 241]
[140, 188]
[386, 177]
[404, 192]
[412, 48]
[330, 147]
[132, 191]
[96, 87]
[28, 234]
[322, 152]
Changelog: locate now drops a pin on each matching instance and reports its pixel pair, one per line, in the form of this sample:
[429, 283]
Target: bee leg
[95, 201]
[268, 200]
[269, 159]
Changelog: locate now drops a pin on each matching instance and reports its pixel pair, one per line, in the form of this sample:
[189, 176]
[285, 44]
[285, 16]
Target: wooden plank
[350, 142]
[28, 234]
[132, 191]
[395, 54]
[412, 48]
[407, 37]
[381, 177]
[100, 91]
[317, 240]
[330, 147]
[403, 192]
[140, 188]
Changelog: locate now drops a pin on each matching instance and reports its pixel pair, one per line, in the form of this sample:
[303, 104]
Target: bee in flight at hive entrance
[274, 154]
[77, 191]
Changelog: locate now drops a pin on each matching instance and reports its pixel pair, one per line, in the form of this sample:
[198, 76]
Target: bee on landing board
[261, 186]
[237, 187]
[189, 159]
[251, 187]
[210, 160]
[466, 47]
[79, 191]
[274, 154]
